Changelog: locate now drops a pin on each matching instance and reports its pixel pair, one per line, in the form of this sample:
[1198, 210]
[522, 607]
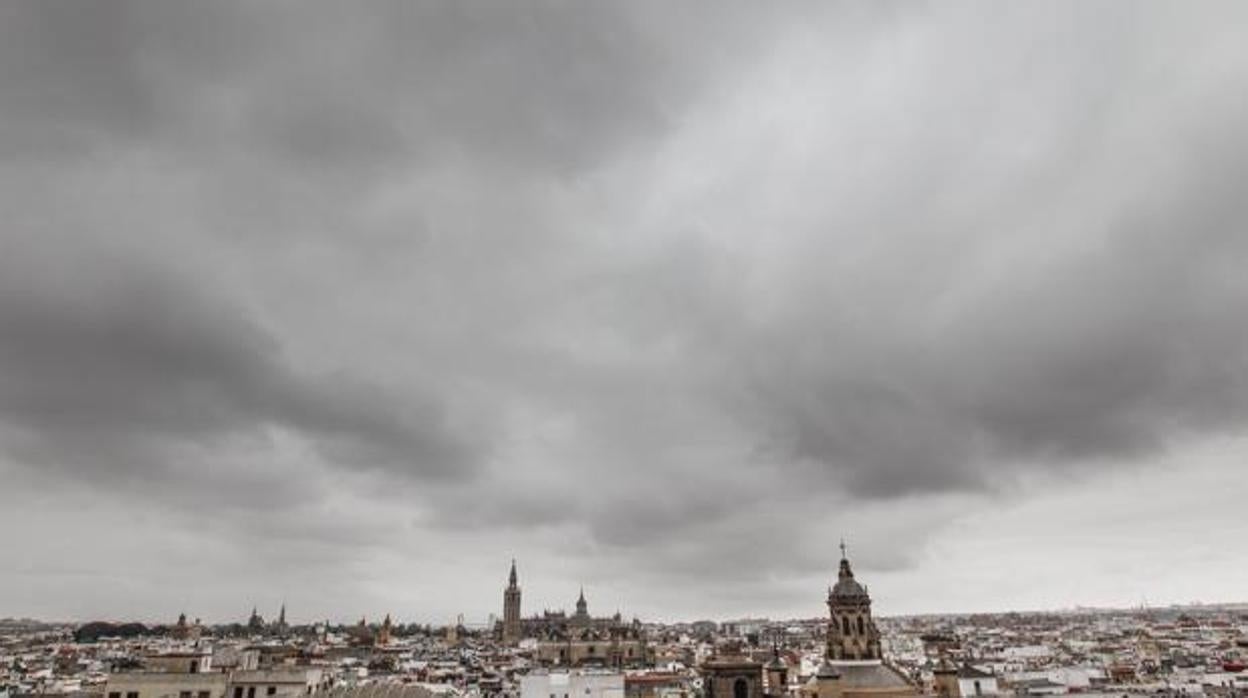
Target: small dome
[846, 586]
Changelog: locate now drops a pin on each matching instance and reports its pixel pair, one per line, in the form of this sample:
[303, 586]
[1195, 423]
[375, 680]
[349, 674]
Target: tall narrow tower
[511, 608]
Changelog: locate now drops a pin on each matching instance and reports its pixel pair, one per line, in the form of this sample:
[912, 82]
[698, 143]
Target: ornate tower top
[847, 587]
[852, 634]
[582, 608]
[511, 578]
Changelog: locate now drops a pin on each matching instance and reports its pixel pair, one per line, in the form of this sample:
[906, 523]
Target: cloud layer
[647, 297]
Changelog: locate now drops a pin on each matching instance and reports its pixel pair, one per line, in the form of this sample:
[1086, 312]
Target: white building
[162, 684]
[272, 683]
[279, 683]
[575, 684]
[973, 681]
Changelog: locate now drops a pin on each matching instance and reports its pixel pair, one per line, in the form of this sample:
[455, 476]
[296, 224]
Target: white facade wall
[987, 686]
[572, 685]
[165, 685]
[276, 683]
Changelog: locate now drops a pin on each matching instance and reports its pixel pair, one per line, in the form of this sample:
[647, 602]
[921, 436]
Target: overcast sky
[348, 304]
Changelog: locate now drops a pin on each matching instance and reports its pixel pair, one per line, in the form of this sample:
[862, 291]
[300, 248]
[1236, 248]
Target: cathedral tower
[511, 608]
[582, 607]
[852, 634]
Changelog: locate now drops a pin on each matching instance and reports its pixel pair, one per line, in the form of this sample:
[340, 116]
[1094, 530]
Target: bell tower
[852, 634]
[511, 608]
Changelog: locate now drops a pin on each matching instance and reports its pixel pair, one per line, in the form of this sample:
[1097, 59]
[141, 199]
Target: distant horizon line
[1210, 605]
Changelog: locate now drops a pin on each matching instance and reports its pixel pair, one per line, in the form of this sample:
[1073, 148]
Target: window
[132, 694]
[238, 692]
[251, 692]
[860, 630]
[184, 694]
[203, 694]
[114, 694]
[740, 689]
[844, 625]
[271, 690]
[979, 690]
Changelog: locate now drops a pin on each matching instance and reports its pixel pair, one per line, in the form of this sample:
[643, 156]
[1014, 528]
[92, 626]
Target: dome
[849, 589]
[846, 586]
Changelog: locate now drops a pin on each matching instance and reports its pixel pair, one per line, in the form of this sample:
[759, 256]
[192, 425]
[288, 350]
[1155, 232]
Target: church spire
[582, 607]
[512, 580]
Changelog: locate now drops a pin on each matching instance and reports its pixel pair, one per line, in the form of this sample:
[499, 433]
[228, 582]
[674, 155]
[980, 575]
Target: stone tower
[776, 672]
[387, 629]
[511, 608]
[852, 634]
[945, 678]
[582, 607]
[730, 674]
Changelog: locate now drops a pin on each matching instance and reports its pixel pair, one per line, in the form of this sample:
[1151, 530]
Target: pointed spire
[582, 608]
[511, 578]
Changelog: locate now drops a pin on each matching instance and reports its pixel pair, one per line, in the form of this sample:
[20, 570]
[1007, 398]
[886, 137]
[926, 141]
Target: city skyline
[348, 305]
[488, 619]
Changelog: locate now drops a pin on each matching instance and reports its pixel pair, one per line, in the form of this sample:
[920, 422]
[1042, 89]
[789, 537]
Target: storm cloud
[643, 295]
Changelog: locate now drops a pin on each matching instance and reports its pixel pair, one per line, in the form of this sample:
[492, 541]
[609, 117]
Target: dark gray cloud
[106, 364]
[637, 291]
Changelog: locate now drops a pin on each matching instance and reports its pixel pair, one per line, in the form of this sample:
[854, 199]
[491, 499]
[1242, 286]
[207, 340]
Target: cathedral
[573, 640]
